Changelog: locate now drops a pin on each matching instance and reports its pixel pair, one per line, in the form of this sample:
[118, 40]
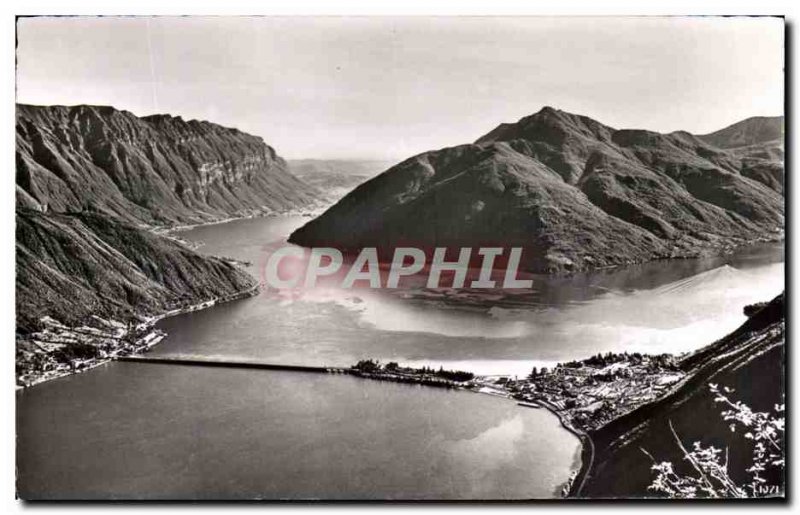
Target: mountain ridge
[157, 170]
[576, 193]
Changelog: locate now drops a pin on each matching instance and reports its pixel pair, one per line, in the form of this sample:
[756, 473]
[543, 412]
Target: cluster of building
[599, 389]
[59, 350]
[584, 394]
[591, 392]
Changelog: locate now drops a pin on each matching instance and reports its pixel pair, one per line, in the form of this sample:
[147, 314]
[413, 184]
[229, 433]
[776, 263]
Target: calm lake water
[129, 430]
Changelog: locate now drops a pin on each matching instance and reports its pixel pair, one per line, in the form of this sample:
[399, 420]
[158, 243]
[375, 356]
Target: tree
[710, 477]
[367, 365]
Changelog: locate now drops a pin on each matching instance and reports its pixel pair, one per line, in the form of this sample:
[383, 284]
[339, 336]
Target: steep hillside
[156, 170]
[758, 141]
[72, 266]
[575, 193]
[750, 361]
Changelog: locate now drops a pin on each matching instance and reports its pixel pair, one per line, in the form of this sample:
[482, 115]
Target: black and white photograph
[400, 258]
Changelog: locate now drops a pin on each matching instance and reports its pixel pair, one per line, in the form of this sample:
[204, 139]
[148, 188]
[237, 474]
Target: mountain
[92, 184]
[752, 131]
[72, 266]
[752, 355]
[90, 179]
[154, 170]
[575, 193]
[333, 178]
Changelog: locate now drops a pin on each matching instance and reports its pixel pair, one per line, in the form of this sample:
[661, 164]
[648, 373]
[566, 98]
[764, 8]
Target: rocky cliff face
[72, 266]
[575, 193]
[156, 170]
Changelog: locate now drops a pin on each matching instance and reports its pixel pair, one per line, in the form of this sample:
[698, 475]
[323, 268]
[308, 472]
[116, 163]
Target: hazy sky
[392, 87]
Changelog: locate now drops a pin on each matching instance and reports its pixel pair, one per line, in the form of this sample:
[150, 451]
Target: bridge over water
[425, 379]
[206, 362]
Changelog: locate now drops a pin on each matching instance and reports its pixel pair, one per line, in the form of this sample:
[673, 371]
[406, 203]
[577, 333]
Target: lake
[128, 430]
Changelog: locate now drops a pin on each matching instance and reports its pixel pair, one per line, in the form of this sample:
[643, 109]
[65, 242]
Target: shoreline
[586, 396]
[586, 455]
[152, 338]
[150, 321]
[312, 210]
[578, 474]
[569, 489]
[573, 486]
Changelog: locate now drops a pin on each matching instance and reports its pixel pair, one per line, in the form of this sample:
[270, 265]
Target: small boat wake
[700, 282]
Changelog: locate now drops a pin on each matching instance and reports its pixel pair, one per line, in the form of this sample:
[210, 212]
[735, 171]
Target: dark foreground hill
[575, 193]
[158, 170]
[750, 361]
[72, 266]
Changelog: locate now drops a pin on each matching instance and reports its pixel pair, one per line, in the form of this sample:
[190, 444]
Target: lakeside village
[584, 394]
[57, 350]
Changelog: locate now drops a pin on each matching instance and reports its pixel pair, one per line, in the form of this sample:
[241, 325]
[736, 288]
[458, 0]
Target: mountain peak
[548, 110]
[549, 126]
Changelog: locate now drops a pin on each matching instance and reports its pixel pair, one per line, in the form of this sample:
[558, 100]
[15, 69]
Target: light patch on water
[385, 312]
[388, 314]
[649, 340]
[496, 446]
[677, 317]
